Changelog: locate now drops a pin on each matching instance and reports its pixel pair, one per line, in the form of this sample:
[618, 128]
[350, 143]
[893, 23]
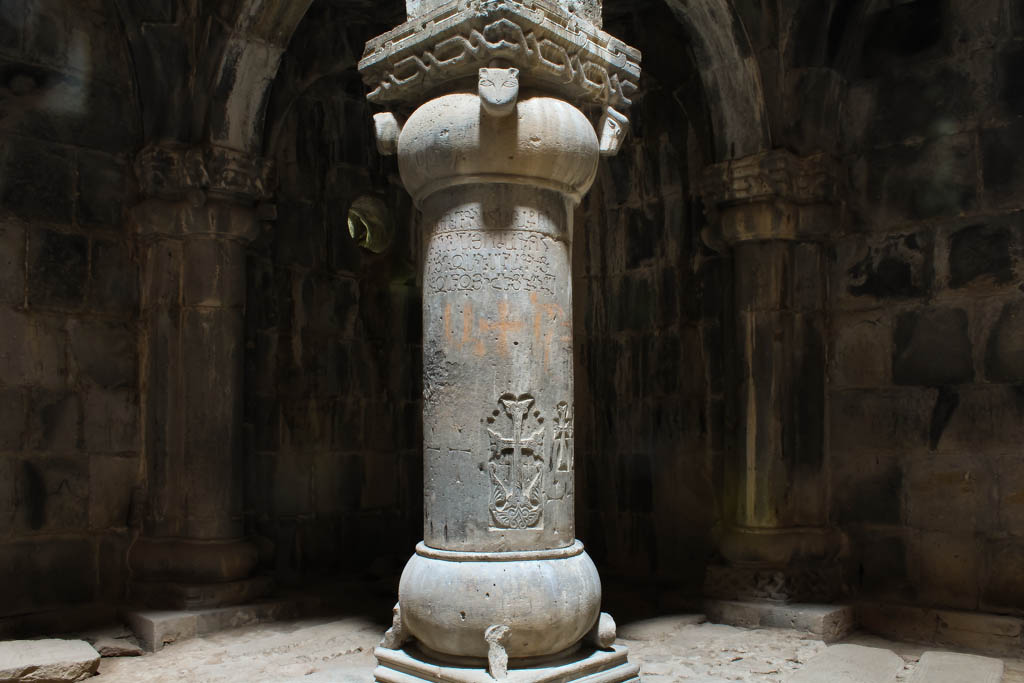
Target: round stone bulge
[545, 143]
[497, 194]
[549, 603]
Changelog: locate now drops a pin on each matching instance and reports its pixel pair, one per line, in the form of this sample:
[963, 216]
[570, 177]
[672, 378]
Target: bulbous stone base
[548, 599]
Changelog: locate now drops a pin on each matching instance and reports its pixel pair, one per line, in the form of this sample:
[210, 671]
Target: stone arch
[731, 76]
[247, 66]
[206, 76]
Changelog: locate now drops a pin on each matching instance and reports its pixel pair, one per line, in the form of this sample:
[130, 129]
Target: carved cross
[517, 446]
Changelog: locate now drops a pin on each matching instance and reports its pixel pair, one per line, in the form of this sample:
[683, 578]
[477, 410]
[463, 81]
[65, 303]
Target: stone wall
[69, 422]
[927, 364]
[649, 295]
[333, 359]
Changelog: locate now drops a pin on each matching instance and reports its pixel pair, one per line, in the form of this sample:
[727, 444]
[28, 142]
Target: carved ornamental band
[454, 41]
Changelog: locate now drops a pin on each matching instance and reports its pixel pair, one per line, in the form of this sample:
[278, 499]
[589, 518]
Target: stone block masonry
[69, 394]
[925, 287]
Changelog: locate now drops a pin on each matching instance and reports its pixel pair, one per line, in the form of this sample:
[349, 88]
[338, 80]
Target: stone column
[775, 210]
[193, 227]
[496, 153]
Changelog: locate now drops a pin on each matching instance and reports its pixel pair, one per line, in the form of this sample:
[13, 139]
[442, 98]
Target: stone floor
[669, 649]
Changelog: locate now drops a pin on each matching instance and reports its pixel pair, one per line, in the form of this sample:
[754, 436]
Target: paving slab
[829, 622]
[950, 667]
[48, 660]
[850, 664]
[156, 628]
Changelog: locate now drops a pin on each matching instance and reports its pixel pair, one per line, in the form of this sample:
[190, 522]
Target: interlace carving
[516, 466]
[537, 37]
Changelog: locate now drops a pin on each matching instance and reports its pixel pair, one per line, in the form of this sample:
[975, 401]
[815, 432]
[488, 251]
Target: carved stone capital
[166, 172]
[554, 50]
[777, 174]
[774, 195]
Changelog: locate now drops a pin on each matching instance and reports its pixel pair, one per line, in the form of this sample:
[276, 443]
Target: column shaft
[192, 230]
[497, 321]
[776, 211]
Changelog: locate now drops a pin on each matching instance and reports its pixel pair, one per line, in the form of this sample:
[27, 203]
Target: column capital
[774, 195]
[174, 172]
[556, 51]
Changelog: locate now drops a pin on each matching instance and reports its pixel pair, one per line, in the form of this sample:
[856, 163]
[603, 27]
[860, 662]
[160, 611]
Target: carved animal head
[498, 90]
[614, 127]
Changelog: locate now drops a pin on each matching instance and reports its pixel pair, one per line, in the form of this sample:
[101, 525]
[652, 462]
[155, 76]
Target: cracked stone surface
[668, 649]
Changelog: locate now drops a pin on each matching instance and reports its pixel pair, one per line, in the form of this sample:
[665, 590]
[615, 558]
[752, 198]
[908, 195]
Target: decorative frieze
[773, 175]
[549, 46]
[173, 172]
[775, 195]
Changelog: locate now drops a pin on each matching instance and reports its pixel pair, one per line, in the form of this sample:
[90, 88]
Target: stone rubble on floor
[47, 661]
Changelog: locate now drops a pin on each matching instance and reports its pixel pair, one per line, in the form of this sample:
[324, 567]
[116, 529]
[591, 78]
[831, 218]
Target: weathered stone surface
[54, 421]
[12, 263]
[47, 660]
[860, 353]
[114, 279]
[931, 347]
[948, 492]
[850, 664]
[828, 622]
[910, 182]
[118, 477]
[883, 268]
[950, 667]
[58, 266]
[104, 353]
[858, 472]
[13, 418]
[950, 563]
[156, 628]
[36, 181]
[116, 647]
[610, 666]
[110, 421]
[1004, 358]
[980, 251]
[865, 420]
[106, 188]
[987, 633]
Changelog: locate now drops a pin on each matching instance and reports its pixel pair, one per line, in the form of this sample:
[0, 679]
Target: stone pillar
[193, 226]
[775, 210]
[496, 154]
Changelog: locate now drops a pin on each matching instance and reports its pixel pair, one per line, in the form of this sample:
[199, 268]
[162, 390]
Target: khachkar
[511, 103]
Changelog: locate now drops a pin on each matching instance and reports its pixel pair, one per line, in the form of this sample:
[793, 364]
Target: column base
[819, 583]
[409, 665]
[178, 595]
[549, 600]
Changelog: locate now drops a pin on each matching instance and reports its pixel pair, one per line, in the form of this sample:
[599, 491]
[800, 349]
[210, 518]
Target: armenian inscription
[512, 257]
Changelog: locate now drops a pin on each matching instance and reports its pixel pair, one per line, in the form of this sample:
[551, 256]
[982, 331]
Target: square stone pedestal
[587, 666]
[187, 596]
